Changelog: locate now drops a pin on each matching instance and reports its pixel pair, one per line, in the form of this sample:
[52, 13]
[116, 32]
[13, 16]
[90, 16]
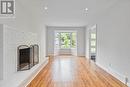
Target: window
[66, 40]
[93, 42]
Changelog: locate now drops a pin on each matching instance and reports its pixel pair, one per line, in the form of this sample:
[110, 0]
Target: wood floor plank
[70, 71]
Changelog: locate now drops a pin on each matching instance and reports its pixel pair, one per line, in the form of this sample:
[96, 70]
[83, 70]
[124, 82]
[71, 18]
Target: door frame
[93, 29]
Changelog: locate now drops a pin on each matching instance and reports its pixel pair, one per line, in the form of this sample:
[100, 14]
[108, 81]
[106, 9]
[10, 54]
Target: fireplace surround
[28, 56]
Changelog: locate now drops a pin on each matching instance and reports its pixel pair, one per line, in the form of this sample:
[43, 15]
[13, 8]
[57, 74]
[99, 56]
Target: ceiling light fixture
[86, 9]
[45, 8]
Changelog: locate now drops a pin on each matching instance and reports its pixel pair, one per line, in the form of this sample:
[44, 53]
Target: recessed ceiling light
[86, 9]
[45, 8]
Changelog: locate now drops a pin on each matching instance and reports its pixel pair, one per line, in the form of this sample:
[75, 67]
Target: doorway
[93, 43]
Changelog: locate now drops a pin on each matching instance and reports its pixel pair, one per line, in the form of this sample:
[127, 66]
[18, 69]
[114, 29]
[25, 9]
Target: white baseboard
[101, 66]
[128, 84]
[113, 73]
[26, 82]
[117, 75]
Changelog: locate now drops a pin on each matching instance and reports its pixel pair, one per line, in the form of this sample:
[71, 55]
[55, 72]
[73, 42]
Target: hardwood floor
[69, 71]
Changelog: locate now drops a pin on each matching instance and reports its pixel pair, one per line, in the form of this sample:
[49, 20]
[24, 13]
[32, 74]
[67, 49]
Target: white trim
[113, 72]
[117, 75]
[66, 31]
[128, 84]
[59, 27]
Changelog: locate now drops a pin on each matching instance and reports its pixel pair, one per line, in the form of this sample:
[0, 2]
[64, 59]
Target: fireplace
[35, 54]
[28, 56]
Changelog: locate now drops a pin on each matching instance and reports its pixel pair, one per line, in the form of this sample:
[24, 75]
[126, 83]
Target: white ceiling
[66, 12]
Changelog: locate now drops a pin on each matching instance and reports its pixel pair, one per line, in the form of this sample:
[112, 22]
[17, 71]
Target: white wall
[113, 42]
[50, 41]
[87, 42]
[1, 52]
[23, 20]
[42, 44]
[80, 39]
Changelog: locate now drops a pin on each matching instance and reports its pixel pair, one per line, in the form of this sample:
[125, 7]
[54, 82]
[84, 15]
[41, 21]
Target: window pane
[93, 50]
[93, 36]
[93, 43]
[65, 39]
